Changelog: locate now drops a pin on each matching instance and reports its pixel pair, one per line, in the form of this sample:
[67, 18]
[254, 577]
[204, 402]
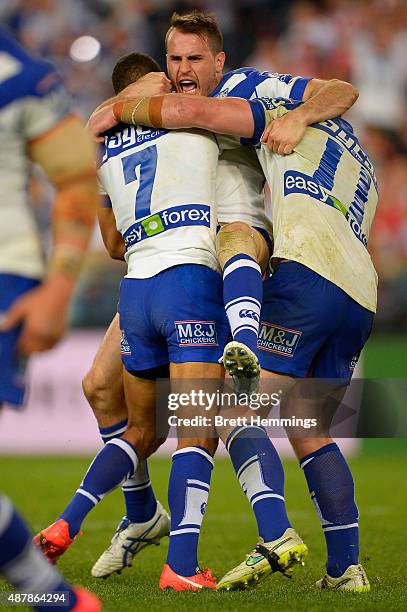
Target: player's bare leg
[132, 535]
[118, 461]
[261, 476]
[331, 487]
[243, 255]
[104, 390]
[103, 384]
[189, 483]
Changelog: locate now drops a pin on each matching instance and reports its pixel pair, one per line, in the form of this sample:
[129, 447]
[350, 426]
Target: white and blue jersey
[324, 199]
[240, 179]
[161, 185]
[32, 102]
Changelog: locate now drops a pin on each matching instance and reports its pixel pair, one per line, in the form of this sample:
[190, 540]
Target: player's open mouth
[188, 86]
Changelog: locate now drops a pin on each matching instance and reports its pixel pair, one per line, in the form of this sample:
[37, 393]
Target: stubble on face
[192, 66]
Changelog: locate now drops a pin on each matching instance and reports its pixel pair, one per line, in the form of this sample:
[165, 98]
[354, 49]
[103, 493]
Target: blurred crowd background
[362, 41]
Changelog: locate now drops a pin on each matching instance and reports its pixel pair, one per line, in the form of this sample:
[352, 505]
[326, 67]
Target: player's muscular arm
[67, 156]
[323, 100]
[112, 239]
[231, 116]
[152, 84]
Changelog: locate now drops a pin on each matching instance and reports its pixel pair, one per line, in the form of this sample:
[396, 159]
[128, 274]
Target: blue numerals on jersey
[144, 162]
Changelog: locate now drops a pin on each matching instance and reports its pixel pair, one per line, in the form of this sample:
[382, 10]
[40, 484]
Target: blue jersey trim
[28, 81]
[297, 90]
[244, 89]
[259, 118]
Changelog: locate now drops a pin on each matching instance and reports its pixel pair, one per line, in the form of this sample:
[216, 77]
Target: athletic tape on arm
[140, 111]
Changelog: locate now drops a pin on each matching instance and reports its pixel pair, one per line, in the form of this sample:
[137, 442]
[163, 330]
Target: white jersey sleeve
[240, 181]
[32, 101]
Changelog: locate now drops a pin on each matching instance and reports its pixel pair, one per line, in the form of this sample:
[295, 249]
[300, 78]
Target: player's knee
[237, 226]
[144, 439]
[96, 389]
[305, 446]
[233, 239]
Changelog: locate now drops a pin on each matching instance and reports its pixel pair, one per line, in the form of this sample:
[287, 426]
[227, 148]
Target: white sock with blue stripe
[188, 491]
[114, 464]
[141, 503]
[242, 295]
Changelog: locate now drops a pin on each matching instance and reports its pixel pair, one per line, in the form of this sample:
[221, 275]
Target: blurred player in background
[324, 201]
[25, 567]
[37, 125]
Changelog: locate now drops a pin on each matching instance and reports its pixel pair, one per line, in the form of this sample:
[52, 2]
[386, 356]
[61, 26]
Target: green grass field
[41, 487]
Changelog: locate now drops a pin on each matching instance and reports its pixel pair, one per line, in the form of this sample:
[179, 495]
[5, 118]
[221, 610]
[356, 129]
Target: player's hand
[283, 134]
[100, 121]
[152, 84]
[42, 313]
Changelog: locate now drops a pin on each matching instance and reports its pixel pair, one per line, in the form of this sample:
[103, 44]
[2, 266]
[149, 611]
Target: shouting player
[171, 312]
[195, 61]
[324, 200]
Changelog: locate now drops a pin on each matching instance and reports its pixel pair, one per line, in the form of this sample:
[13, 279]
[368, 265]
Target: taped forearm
[67, 156]
[73, 221]
[140, 111]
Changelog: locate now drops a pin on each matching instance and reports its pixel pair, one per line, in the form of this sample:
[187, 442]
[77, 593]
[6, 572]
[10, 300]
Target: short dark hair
[199, 23]
[131, 67]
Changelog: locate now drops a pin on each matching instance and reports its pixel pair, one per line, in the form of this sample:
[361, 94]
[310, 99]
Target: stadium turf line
[41, 486]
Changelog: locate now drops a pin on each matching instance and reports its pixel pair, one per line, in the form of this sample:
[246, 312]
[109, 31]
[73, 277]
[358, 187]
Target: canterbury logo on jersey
[297, 182]
[170, 218]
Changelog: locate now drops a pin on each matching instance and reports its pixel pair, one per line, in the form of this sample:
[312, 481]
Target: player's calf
[188, 491]
[332, 491]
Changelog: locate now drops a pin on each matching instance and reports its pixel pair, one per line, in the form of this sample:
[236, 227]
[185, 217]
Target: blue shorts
[12, 365]
[175, 316]
[309, 326]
